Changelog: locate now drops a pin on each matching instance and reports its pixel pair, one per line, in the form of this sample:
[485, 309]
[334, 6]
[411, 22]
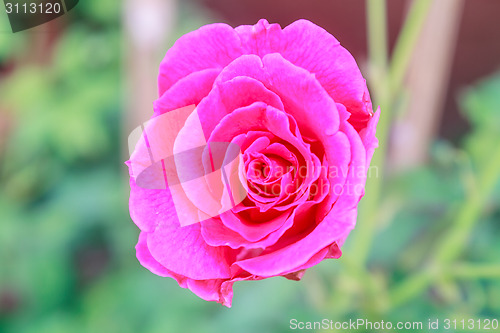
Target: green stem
[377, 41]
[386, 84]
[476, 271]
[455, 240]
[406, 43]
[377, 36]
[409, 288]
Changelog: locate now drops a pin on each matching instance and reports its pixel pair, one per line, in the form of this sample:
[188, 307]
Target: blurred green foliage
[67, 258]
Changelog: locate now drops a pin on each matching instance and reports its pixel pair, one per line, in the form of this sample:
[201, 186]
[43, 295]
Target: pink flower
[295, 103]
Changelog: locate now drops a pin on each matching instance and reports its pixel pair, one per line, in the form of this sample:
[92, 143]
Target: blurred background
[72, 89]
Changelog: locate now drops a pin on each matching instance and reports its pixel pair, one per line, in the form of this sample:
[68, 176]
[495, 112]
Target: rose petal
[149, 207]
[302, 95]
[146, 259]
[187, 91]
[311, 47]
[354, 186]
[292, 257]
[209, 290]
[368, 137]
[211, 46]
[216, 233]
[257, 116]
[253, 231]
[232, 94]
[182, 250]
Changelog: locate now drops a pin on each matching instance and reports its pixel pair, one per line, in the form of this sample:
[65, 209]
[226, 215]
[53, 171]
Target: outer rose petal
[368, 137]
[227, 96]
[313, 48]
[182, 250]
[354, 187]
[211, 46]
[187, 91]
[209, 290]
[304, 98]
[149, 207]
[170, 245]
[307, 101]
[303, 43]
[216, 234]
[147, 260]
[290, 258]
[253, 232]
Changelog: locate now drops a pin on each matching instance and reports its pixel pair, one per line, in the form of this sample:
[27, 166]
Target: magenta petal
[211, 46]
[338, 161]
[216, 233]
[146, 259]
[311, 47]
[148, 207]
[257, 117]
[182, 250]
[244, 140]
[259, 144]
[280, 150]
[227, 96]
[255, 231]
[187, 91]
[209, 290]
[330, 252]
[248, 65]
[262, 38]
[302, 95]
[304, 98]
[334, 67]
[314, 260]
[333, 228]
[354, 187]
[368, 137]
[226, 290]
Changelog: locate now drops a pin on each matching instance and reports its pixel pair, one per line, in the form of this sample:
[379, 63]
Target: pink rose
[294, 102]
